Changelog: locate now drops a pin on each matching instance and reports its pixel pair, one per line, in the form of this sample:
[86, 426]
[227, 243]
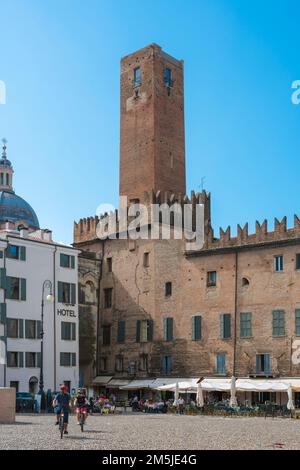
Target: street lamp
[50, 298]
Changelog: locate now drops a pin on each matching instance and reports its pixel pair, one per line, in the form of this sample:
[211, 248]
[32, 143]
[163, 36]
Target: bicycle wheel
[61, 426]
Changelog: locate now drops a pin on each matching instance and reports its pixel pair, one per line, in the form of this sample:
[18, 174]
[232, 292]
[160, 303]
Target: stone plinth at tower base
[7, 405]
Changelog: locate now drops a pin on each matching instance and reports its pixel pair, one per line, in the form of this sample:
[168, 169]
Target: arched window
[7, 179]
[2, 178]
[90, 293]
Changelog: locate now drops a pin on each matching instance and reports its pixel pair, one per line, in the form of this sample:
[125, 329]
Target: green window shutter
[73, 294]
[20, 328]
[63, 330]
[3, 278]
[73, 327]
[72, 262]
[222, 326]
[121, 331]
[23, 289]
[169, 329]
[2, 312]
[38, 359]
[38, 329]
[225, 325]
[26, 329]
[138, 331]
[22, 253]
[73, 359]
[60, 291]
[150, 330]
[1, 254]
[20, 359]
[297, 322]
[165, 329]
[196, 327]
[61, 260]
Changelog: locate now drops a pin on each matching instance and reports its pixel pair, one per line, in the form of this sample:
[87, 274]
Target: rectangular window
[16, 252]
[68, 331]
[67, 359]
[108, 298]
[15, 328]
[144, 362]
[263, 364]
[297, 322]
[225, 326]
[221, 364]
[245, 324]
[196, 327]
[33, 329]
[278, 323]
[67, 261]
[168, 77]
[167, 364]
[168, 289]
[106, 335]
[211, 278]
[278, 263]
[137, 78]
[66, 293]
[2, 312]
[109, 264]
[15, 288]
[146, 260]
[32, 359]
[121, 331]
[144, 331]
[168, 329]
[119, 364]
[103, 364]
[14, 359]
[298, 261]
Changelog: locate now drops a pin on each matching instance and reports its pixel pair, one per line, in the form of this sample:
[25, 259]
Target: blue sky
[60, 62]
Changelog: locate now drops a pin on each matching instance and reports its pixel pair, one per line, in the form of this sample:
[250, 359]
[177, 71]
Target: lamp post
[46, 285]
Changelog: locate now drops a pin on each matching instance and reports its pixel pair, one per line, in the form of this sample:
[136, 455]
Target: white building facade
[29, 259]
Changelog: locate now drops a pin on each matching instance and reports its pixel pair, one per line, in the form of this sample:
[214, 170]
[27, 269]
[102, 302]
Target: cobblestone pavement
[157, 432]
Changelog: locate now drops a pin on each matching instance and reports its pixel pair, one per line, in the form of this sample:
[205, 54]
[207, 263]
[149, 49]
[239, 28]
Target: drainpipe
[54, 315]
[235, 313]
[99, 311]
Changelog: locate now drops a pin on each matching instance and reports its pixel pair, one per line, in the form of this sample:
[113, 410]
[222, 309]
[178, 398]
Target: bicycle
[82, 419]
[61, 424]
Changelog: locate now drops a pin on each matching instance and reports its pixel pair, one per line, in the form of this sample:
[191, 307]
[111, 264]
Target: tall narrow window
[137, 78]
[221, 363]
[167, 364]
[109, 264]
[168, 329]
[263, 364]
[168, 77]
[245, 324]
[7, 179]
[121, 331]
[297, 322]
[298, 261]
[146, 260]
[225, 325]
[278, 263]
[106, 335]
[278, 323]
[108, 298]
[168, 289]
[196, 327]
[2, 179]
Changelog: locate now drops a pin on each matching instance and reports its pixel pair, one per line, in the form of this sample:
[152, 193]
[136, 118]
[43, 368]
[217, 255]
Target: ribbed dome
[14, 209]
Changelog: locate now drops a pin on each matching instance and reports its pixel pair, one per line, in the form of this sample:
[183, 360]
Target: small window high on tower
[137, 78]
[168, 77]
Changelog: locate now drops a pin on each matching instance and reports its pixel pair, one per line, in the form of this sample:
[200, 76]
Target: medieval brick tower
[152, 147]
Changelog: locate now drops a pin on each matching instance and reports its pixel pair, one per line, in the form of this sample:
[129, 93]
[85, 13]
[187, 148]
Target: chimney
[23, 231]
[47, 235]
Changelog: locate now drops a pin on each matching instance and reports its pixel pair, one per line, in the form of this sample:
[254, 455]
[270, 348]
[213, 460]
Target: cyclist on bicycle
[82, 404]
[62, 402]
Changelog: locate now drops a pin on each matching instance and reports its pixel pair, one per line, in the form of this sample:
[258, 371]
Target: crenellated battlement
[85, 229]
[261, 235]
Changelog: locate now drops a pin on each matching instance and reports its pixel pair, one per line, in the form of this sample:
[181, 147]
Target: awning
[184, 386]
[216, 384]
[261, 385]
[161, 381]
[101, 380]
[117, 383]
[138, 384]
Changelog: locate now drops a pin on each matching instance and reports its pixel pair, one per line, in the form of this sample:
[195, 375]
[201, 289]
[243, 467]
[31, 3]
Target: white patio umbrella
[233, 400]
[199, 398]
[290, 404]
[176, 397]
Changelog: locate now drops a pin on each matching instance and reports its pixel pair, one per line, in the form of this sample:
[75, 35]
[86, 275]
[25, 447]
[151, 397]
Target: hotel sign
[63, 312]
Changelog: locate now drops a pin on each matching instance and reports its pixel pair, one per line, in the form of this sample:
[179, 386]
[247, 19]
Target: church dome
[15, 209]
[12, 207]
